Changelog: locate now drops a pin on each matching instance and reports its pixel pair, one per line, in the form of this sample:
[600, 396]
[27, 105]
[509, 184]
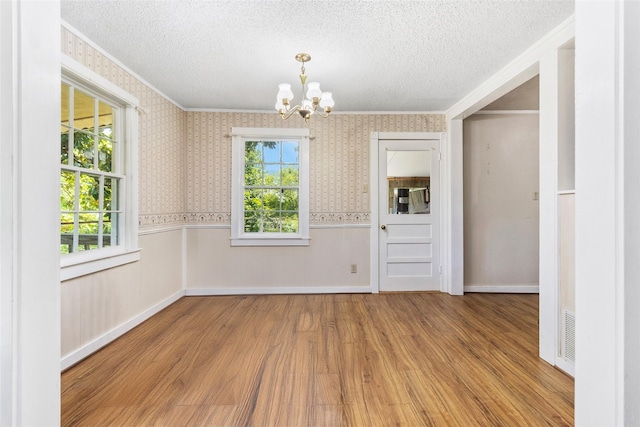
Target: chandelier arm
[286, 114]
[320, 113]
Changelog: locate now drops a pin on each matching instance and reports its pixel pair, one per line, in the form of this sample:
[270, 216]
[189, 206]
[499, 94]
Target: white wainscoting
[213, 267]
[98, 308]
[99, 342]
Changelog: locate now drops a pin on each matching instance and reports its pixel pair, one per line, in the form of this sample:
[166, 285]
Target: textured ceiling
[373, 55]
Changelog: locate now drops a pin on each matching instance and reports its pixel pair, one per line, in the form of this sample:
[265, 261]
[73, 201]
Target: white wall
[29, 178]
[565, 99]
[607, 228]
[556, 173]
[566, 120]
[566, 253]
[99, 307]
[214, 267]
[501, 214]
[517, 72]
[520, 70]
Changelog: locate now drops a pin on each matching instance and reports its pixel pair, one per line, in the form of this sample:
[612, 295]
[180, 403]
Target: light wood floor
[409, 359]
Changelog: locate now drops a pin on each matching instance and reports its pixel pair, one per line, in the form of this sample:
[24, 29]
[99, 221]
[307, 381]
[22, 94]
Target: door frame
[374, 146]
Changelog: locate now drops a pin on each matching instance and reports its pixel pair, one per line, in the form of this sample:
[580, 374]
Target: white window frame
[238, 236]
[126, 251]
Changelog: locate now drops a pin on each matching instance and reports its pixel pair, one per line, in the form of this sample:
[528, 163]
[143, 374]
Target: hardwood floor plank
[326, 415]
[208, 415]
[408, 359]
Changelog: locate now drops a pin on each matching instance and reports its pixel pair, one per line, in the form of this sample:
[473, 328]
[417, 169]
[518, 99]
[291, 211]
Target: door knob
[384, 227]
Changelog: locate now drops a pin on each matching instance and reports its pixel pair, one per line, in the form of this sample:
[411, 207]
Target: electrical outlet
[354, 268]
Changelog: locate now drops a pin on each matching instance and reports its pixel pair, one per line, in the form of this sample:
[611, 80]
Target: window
[90, 145]
[98, 227]
[270, 190]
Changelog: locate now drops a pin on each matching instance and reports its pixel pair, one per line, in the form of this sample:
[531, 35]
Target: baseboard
[95, 345]
[566, 366]
[279, 290]
[518, 288]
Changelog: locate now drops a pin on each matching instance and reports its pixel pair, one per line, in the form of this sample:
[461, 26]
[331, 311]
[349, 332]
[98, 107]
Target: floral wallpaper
[185, 157]
[339, 161]
[162, 132]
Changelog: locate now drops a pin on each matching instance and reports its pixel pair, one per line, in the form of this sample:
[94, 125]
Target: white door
[408, 207]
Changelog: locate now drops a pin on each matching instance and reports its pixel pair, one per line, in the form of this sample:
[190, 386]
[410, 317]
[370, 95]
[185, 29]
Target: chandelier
[314, 97]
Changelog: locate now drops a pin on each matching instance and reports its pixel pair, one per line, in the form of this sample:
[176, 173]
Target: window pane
[105, 116]
[289, 152]
[272, 175]
[89, 193]
[64, 98]
[253, 200]
[272, 222]
[253, 152]
[290, 176]
[106, 137]
[105, 158]
[408, 182]
[289, 222]
[66, 233]
[112, 227]
[110, 200]
[107, 228]
[83, 149]
[290, 200]
[88, 231]
[271, 199]
[271, 151]
[106, 132]
[64, 146]
[252, 174]
[83, 110]
[252, 222]
[67, 191]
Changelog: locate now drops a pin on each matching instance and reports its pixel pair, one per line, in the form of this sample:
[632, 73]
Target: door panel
[404, 250]
[408, 208]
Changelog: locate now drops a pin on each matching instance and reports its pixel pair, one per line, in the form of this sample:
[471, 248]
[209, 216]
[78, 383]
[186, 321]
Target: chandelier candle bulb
[326, 102]
[285, 94]
[313, 97]
[314, 92]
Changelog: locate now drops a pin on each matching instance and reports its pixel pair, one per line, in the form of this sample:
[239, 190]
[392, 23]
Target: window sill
[269, 242]
[76, 265]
